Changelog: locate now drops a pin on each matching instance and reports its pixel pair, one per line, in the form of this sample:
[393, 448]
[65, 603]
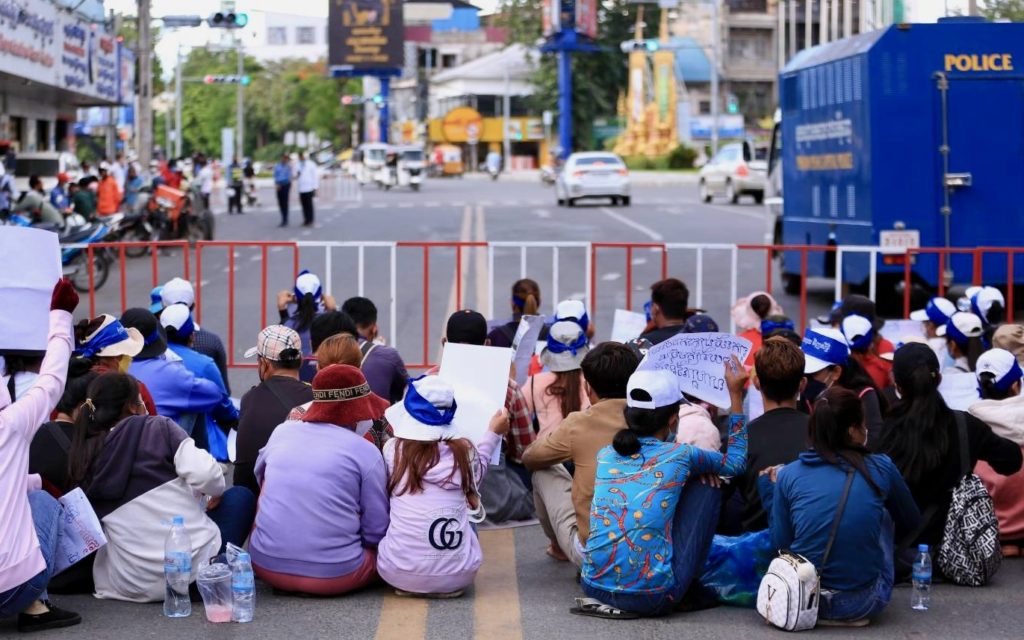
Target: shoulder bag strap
[59, 436]
[366, 349]
[839, 516]
[965, 454]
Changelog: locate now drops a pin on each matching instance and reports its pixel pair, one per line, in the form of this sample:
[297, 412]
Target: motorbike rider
[392, 164]
[249, 175]
[59, 196]
[35, 202]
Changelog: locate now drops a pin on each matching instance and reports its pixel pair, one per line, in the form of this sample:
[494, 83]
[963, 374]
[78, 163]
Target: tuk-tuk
[411, 166]
[449, 160]
[368, 160]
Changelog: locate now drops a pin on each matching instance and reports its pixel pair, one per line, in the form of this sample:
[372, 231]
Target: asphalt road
[521, 593]
[522, 214]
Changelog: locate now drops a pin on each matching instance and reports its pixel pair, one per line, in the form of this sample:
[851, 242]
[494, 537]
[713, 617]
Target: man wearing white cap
[180, 291]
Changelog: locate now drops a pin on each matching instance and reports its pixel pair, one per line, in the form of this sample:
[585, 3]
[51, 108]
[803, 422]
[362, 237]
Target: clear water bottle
[922, 596]
[243, 589]
[177, 570]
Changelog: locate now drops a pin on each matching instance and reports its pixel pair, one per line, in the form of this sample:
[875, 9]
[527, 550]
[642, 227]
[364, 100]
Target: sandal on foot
[863, 622]
[429, 596]
[596, 609]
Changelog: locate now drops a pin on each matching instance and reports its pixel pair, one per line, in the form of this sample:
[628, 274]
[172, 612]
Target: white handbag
[789, 593]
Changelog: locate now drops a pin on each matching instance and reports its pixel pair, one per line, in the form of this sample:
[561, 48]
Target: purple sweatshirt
[430, 546]
[323, 499]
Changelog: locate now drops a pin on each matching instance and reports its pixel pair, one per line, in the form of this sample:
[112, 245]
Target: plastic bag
[735, 566]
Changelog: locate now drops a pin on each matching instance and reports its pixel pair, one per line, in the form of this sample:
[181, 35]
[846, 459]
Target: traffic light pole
[240, 106]
[177, 105]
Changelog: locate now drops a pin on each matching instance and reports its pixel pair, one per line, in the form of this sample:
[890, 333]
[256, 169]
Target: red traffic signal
[347, 100]
[209, 79]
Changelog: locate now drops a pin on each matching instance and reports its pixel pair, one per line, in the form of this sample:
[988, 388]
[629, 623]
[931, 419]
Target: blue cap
[923, 548]
[176, 520]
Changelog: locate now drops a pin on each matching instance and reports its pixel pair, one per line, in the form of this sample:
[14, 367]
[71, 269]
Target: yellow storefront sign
[461, 124]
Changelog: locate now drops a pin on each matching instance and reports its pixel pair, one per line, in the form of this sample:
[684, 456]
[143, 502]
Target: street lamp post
[716, 54]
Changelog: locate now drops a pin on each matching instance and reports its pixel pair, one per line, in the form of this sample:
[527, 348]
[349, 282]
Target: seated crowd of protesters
[350, 460]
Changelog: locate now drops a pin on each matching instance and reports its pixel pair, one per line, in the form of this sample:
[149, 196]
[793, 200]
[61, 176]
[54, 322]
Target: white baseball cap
[570, 309]
[177, 316]
[178, 291]
[824, 347]
[982, 301]
[937, 311]
[307, 283]
[1002, 365]
[962, 326]
[661, 385]
[858, 330]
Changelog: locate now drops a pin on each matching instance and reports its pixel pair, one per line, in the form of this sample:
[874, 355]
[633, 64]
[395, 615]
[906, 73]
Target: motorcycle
[75, 260]
[176, 216]
[133, 226]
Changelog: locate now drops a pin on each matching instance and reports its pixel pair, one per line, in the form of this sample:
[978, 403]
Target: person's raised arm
[28, 413]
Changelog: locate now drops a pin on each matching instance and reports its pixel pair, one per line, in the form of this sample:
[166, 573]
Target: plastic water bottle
[243, 589]
[177, 570]
[922, 596]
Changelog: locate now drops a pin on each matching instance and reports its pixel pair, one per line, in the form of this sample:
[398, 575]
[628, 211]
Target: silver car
[593, 174]
[738, 169]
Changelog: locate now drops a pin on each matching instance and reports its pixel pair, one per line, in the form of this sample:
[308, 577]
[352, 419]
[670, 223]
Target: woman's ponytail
[626, 443]
[306, 311]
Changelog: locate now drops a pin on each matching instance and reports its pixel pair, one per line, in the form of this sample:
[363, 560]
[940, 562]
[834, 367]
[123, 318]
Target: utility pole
[177, 104]
[144, 136]
[506, 107]
[716, 54]
[240, 105]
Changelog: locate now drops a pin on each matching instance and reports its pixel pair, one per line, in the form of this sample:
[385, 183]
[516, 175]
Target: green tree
[1004, 10]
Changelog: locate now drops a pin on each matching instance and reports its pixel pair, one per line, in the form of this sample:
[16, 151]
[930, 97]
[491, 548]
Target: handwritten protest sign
[627, 325]
[524, 344]
[480, 378]
[959, 390]
[697, 361]
[897, 331]
[29, 268]
[81, 533]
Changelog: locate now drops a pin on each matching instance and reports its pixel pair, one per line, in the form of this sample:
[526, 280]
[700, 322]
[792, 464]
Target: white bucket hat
[427, 412]
[566, 347]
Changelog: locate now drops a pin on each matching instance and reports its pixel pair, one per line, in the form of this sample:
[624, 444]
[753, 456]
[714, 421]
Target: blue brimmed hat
[426, 413]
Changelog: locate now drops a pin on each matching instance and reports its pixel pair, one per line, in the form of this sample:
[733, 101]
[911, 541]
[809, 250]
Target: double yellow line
[496, 614]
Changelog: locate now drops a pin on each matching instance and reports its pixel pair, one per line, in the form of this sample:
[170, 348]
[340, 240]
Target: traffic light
[347, 100]
[378, 99]
[222, 79]
[227, 20]
[732, 104]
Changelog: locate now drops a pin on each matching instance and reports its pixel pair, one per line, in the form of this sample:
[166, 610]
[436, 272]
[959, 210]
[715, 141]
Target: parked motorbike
[179, 215]
[494, 172]
[251, 194]
[75, 260]
[133, 226]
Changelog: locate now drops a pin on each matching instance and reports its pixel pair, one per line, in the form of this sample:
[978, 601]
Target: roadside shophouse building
[53, 61]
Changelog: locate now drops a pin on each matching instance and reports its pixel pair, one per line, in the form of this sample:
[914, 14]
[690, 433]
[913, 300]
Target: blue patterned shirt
[635, 498]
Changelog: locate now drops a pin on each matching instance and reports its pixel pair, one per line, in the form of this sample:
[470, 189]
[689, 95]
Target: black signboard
[365, 35]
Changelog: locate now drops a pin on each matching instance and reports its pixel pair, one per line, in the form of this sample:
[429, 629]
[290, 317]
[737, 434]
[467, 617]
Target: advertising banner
[28, 42]
[365, 35]
[89, 61]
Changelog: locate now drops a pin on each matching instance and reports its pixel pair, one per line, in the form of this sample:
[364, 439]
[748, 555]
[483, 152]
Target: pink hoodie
[430, 546]
[20, 558]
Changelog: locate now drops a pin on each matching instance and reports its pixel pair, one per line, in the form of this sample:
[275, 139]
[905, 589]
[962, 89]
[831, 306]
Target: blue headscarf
[109, 335]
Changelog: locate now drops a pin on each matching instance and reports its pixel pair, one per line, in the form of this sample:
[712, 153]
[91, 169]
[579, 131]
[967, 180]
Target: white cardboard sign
[697, 360]
[81, 533]
[627, 325]
[897, 331]
[29, 269]
[524, 345]
[480, 378]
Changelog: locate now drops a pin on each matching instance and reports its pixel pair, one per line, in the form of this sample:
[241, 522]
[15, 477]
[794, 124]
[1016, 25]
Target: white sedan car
[593, 174]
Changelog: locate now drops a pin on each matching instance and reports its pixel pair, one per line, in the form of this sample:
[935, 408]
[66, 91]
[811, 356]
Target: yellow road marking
[402, 618]
[496, 602]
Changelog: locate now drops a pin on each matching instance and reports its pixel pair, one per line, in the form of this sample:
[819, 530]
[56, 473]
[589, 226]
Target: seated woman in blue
[802, 498]
[650, 529]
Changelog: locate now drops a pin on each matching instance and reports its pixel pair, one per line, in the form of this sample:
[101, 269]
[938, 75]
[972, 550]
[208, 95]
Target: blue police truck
[907, 136]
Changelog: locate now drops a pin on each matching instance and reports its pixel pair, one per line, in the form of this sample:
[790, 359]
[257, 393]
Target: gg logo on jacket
[441, 537]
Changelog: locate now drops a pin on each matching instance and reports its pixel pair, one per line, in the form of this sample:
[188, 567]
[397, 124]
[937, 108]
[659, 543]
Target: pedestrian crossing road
[522, 593]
